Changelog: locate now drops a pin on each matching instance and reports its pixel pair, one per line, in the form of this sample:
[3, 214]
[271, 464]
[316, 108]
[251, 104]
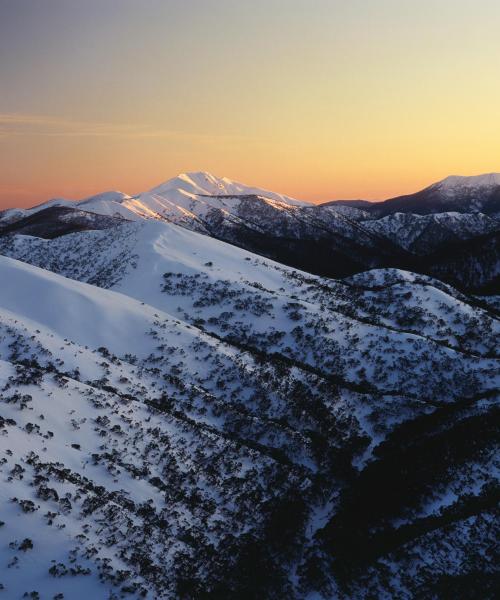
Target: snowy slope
[68, 308]
[189, 275]
[111, 204]
[200, 426]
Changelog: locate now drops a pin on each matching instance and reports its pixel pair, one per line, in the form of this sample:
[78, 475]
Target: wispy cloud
[19, 124]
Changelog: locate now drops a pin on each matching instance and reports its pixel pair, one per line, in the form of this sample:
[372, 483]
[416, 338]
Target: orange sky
[318, 99]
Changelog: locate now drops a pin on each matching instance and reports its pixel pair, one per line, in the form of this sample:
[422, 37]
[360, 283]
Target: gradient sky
[318, 99]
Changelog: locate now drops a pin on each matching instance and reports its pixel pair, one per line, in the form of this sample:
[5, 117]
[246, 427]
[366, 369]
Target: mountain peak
[474, 181]
[194, 182]
[203, 183]
[109, 196]
[201, 176]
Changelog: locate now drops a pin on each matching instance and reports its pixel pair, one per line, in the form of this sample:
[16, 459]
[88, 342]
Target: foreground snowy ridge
[180, 418]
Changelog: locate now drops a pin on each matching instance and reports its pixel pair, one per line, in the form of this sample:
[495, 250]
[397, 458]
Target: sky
[318, 99]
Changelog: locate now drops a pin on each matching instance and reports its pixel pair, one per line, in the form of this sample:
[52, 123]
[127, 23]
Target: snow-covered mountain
[191, 199]
[12, 215]
[193, 196]
[108, 203]
[480, 193]
[187, 197]
[181, 418]
[459, 245]
[202, 184]
[328, 239]
[455, 183]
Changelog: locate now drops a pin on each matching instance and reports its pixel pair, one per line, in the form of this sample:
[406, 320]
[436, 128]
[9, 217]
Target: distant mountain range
[474, 194]
[450, 229]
